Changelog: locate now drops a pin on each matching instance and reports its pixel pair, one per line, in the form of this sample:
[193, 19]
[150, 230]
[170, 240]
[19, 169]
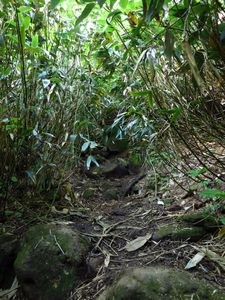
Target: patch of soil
[117, 219]
[114, 210]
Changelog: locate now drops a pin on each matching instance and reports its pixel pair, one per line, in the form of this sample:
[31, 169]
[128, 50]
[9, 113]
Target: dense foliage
[77, 76]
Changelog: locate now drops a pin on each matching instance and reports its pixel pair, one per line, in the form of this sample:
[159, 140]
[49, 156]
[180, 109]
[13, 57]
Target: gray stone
[117, 145]
[160, 284]
[51, 261]
[115, 168]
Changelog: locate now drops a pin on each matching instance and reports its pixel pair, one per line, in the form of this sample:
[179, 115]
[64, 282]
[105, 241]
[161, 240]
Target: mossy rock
[203, 218]
[51, 261]
[160, 284]
[117, 168]
[179, 232]
[117, 145]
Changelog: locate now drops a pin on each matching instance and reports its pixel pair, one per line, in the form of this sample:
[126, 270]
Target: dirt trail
[121, 212]
[121, 207]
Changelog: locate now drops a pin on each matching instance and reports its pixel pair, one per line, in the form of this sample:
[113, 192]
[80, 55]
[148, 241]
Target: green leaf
[26, 22]
[18, 214]
[176, 115]
[31, 175]
[196, 172]
[101, 2]
[24, 9]
[11, 127]
[56, 80]
[39, 3]
[24, 25]
[84, 123]
[141, 57]
[131, 124]
[123, 4]
[114, 14]
[200, 184]
[34, 42]
[5, 73]
[142, 93]
[85, 146]
[112, 2]
[212, 193]
[9, 213]
[150, 100]
[87, 10]
[14, 179]
[54, 3]
[87, 1]
[186, 3]
[11, 22]
[93, 145]
[46, 82]
[222, 220]
[72, 137]
[91, 159]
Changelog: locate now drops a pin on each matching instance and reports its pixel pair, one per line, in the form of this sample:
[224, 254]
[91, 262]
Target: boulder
[51, 261]
[160, 284]
[117, 145]
[113, 169]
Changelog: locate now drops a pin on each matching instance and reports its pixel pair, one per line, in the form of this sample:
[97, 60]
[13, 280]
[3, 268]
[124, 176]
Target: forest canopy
[79, 75]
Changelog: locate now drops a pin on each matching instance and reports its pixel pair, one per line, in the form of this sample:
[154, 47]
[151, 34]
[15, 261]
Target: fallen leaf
[221, 233]
[212, 256]
[107, 260]
[160, 202]
[69, 188]
[68, 197]
[64, 211]
[138, 242]
[195, 260]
